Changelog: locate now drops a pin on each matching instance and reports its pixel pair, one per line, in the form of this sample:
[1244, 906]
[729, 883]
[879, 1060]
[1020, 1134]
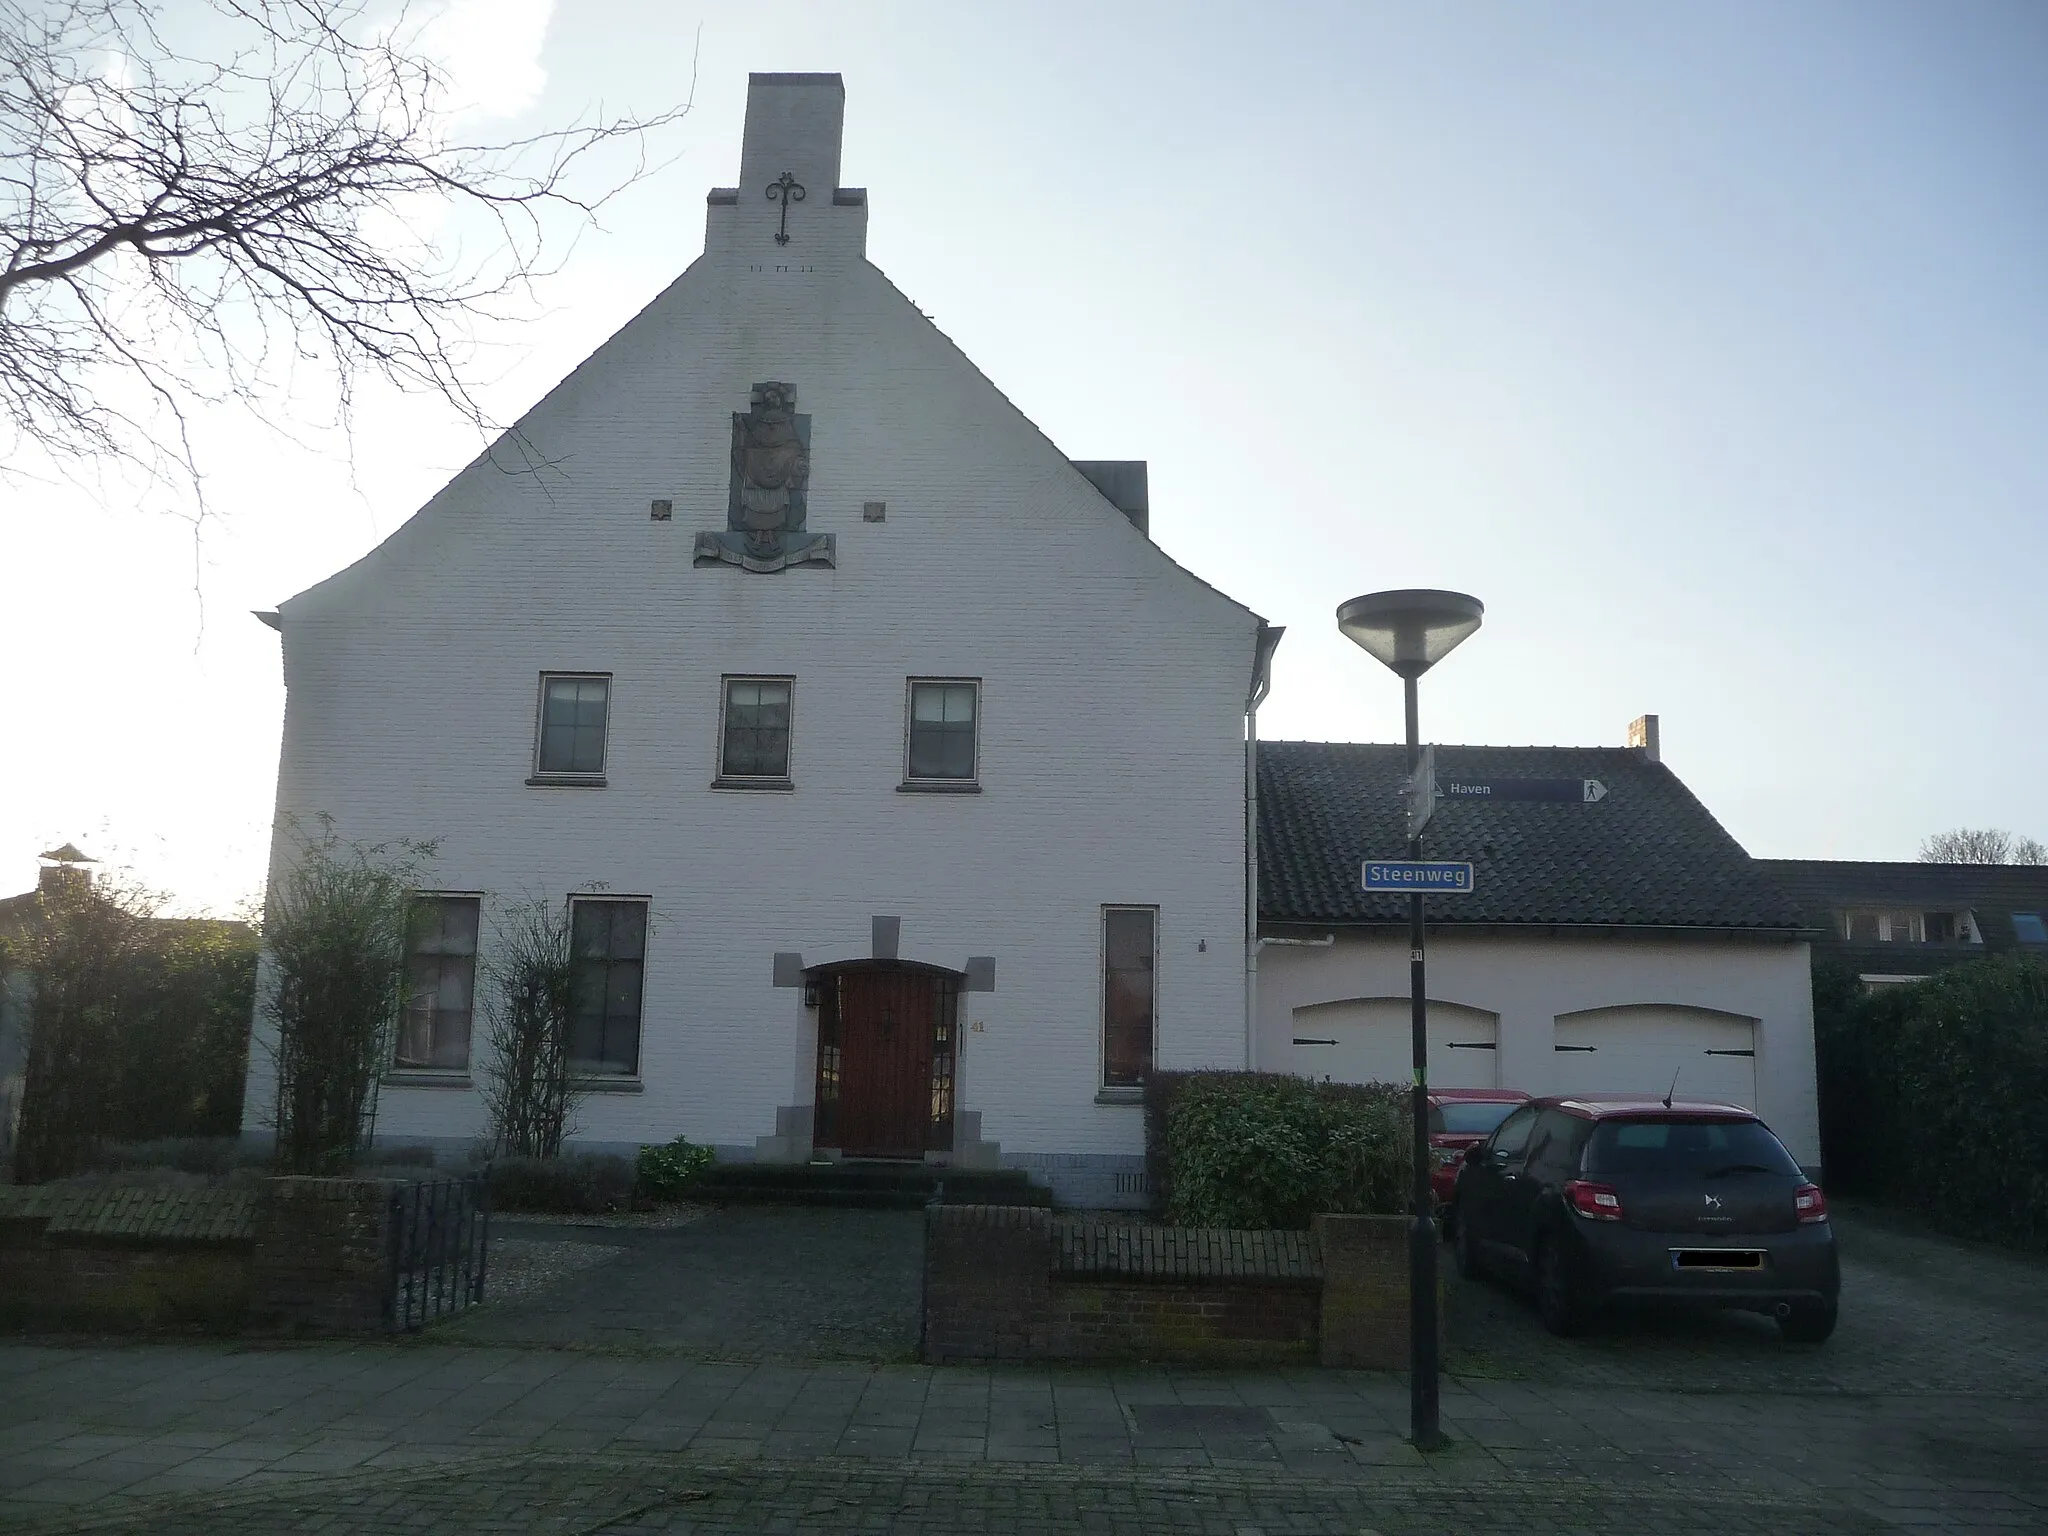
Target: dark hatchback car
[1589, 1202]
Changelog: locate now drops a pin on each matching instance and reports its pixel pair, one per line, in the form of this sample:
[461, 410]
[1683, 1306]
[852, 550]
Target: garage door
[1638, 1050]
[1366, 1040]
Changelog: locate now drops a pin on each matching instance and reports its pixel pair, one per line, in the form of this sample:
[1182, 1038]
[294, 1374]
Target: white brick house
[745, 772]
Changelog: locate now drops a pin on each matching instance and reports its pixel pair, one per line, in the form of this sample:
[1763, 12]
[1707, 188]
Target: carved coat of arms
[771, 468]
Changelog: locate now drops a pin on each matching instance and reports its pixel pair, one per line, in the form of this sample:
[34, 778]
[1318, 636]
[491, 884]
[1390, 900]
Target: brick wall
[1013, 1284]
[322, 1255]
[125, 1258]
[1365, 1291]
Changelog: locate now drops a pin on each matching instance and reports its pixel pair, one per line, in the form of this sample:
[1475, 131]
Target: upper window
[755, 739]
[440, 983]
[942, 729]
[608, 940]
[574, 710]
[1130, 943]
[2028, 928]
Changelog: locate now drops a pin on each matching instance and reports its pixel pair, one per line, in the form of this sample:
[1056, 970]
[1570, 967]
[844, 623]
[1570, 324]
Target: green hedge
[1934, 1095]
[571, 1184]
[1262, 1149]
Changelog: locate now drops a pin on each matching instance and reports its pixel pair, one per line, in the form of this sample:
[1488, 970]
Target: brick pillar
[322, 1256]
[987, 1283]
[1365, 1291]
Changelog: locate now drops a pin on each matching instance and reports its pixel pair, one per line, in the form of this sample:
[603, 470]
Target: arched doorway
[887, 1032]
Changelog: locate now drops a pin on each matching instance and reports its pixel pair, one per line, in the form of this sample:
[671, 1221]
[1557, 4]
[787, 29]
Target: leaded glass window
[942, 729]
[440, 983]
[756, 744]
[608, 940]
[573, 716]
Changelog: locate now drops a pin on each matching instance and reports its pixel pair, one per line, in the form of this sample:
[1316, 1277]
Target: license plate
[1717, 1258]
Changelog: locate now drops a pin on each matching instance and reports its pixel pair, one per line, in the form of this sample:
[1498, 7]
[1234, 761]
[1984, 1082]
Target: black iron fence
[440, 1232]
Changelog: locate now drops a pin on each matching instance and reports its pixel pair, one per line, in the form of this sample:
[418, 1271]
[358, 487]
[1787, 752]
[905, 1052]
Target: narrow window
[1899, 927]
[756, 735]
[1862, 927]
[942, 721]
[1129, 943]
[609, 942]
[440, 983]
[573, 715]
[1940, 927]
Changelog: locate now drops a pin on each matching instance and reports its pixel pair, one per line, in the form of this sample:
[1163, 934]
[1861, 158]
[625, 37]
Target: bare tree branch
[174, 229]
[1982, 845]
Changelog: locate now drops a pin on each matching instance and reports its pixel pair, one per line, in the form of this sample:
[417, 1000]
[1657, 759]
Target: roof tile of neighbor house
[1648, 855]
[1824, 887]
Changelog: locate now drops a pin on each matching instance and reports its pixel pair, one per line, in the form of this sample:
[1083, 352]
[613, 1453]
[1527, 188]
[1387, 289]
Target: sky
[1707, 345]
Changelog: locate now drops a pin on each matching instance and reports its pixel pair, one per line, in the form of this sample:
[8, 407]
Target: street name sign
[1417, 875]
[1570, 791]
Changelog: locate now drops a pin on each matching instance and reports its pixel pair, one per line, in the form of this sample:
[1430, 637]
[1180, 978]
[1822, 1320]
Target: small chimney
[1642, 732]
[1124, 483]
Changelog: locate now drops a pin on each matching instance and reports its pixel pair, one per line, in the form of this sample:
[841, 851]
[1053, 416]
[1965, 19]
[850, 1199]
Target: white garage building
[1610, 945]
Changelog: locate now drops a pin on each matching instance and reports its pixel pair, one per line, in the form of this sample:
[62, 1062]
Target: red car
[1461, 1118]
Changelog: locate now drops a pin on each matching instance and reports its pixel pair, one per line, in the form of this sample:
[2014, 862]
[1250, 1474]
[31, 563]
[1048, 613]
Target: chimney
[1642, 732]
[793, 128]
[1124, 483]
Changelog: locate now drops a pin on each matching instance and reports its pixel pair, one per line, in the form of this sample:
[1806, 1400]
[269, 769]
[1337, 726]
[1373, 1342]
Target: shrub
[1251, 1149]
[572, 1184]
[528, 1002]
[670, 1172]
[336, 931]
[1931, 1095]
[212, 1156]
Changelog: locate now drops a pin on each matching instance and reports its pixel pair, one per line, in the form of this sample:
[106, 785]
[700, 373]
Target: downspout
[1262, 683]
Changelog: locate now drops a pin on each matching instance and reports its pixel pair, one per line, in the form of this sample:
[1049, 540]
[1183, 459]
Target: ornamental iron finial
[785, 189]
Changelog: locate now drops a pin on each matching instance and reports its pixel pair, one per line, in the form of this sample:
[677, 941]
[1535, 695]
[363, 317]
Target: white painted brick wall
[1113, 692]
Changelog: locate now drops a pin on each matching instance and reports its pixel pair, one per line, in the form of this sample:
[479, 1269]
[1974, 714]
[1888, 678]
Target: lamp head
[1412, 630]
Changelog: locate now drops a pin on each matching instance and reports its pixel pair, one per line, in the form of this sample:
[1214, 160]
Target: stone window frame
[1120, 1091]
[566, 778]
[925, 784]
[723, 778]
[430, 1070]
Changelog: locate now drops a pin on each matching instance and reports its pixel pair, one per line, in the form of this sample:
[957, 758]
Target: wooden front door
[885, 1061]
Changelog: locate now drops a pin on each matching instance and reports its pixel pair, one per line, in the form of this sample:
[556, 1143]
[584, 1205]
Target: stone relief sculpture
[771, 468]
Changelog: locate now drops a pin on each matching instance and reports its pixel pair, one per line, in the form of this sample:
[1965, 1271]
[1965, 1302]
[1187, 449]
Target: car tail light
[1602, 1202]
[1810, 1203]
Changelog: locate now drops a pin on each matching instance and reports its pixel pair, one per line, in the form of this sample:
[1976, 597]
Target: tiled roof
[1823, 887]
[1647, 855]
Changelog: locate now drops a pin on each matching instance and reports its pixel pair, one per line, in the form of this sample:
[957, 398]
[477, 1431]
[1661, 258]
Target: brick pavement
[1937, 1418]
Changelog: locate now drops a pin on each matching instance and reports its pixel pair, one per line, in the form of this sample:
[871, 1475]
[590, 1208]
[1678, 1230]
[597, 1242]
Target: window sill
[722, 782]
[426, 1077]
[566, 781]
[606, 1085]
[1125, 1094]
[938, 787]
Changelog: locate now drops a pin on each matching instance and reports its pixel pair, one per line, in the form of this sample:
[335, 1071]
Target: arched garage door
[1638, 1049]
[1366, 1040]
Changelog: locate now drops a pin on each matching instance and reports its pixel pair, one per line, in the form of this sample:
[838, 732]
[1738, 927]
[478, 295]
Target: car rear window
[1469, 1119]
[1699, 1148]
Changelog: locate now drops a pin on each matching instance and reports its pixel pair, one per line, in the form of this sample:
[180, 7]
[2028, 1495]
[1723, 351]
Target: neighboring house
[896, 779]
[16, 985]
[1897, 922]
[1608, 945]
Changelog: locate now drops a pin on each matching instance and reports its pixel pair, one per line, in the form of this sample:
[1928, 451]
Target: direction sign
[1413, 875]
[1573, 791]
[1419, 791]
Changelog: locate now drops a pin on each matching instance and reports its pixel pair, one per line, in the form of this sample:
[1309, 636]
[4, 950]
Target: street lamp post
[1411, 631]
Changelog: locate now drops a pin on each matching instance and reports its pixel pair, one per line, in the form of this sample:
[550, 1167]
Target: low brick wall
[1009, 1284]
[124, 1258]
[290, 1254]
[322, 1255]
[1365, 1291]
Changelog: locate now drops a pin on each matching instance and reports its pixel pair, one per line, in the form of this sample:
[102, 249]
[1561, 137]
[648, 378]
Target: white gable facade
[944, 539]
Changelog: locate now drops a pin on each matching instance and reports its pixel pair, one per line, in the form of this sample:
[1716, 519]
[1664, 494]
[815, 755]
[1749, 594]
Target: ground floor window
[440, 983]
[1130, 942]
[608, 939]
